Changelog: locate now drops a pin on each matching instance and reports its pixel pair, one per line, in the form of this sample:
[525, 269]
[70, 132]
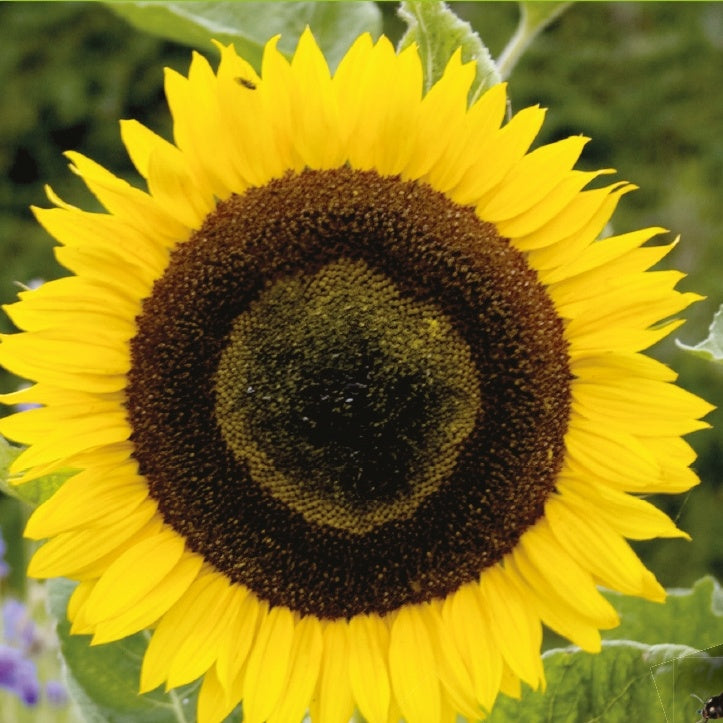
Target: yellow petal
[72, 300]
[456, 174]
[573, 219]
[644, 399]
[531, 179]
[200, 647]
[213, 703]
[110, 237]
[133, 575]
[554, 611]
[614, 456]
[108, 493]
[313, 118]
[601, 550]
[304, 665]
[442, 121]
[268, 664]
[622, 340]
[68, 553]
[628, 515]
[389, 92]
[239, 104]
[497, 153]
[35, 425]
[558, 197]
[352, 67]
[413, 666]
[594, 271]
[610, 367]
[635, 301]
[174, 188]
[111, 456]
[510, 684]
[333, 702]
[463, 613]
[78, 598]
[155, 603]
[185, 643]
[122, 200]
[59, 359]
[516, 628]
[368, 670]
[199, 128]
[242, 628]
[551, 570]
[451, 668]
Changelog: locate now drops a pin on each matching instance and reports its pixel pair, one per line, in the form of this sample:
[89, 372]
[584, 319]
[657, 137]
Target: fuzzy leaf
[712, 347]
[34, 492]
[250, 24]
[8, 452]
[667, 656]
[438, 32]
[625, 682]
[688, 617]
[103, 679]
[38, 490]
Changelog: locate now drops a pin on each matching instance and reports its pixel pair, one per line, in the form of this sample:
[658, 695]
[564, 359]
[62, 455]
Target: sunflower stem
[173, 697]
[177, 704]
[534, 18]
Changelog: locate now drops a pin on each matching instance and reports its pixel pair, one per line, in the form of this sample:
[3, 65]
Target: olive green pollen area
[348, 401]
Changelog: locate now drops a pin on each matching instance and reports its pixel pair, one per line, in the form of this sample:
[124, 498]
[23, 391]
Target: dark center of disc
[346, 400]
[348, 393]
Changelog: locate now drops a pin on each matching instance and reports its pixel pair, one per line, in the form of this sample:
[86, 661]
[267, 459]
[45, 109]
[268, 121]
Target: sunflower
[357, 399]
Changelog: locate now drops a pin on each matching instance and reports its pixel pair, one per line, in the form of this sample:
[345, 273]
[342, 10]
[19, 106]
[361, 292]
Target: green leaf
[648, 676]
[688, 617]
[625, 682]
[34, 492]
[103, 679]
[712, 347]
[438, 32]
[250, 24]
[38, 490]
[8, 452]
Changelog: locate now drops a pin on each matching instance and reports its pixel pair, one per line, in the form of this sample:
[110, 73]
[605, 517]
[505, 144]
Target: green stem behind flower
[534, 18]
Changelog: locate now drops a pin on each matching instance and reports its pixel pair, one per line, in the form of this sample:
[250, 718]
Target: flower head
[56, 693]
[19, 675]
[357, 396]
[18, 625]
[25, 643]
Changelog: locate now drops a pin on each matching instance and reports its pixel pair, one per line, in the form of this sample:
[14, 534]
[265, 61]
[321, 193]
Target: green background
[642, 79]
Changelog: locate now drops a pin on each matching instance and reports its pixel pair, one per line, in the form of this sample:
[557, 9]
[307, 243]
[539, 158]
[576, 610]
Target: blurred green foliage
[641, 79]
[69, 72]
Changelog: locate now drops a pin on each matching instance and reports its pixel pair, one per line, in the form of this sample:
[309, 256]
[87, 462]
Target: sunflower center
[345, 398]
[348, 393]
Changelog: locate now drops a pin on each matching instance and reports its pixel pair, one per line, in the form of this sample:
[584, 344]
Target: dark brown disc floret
[348, 393]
